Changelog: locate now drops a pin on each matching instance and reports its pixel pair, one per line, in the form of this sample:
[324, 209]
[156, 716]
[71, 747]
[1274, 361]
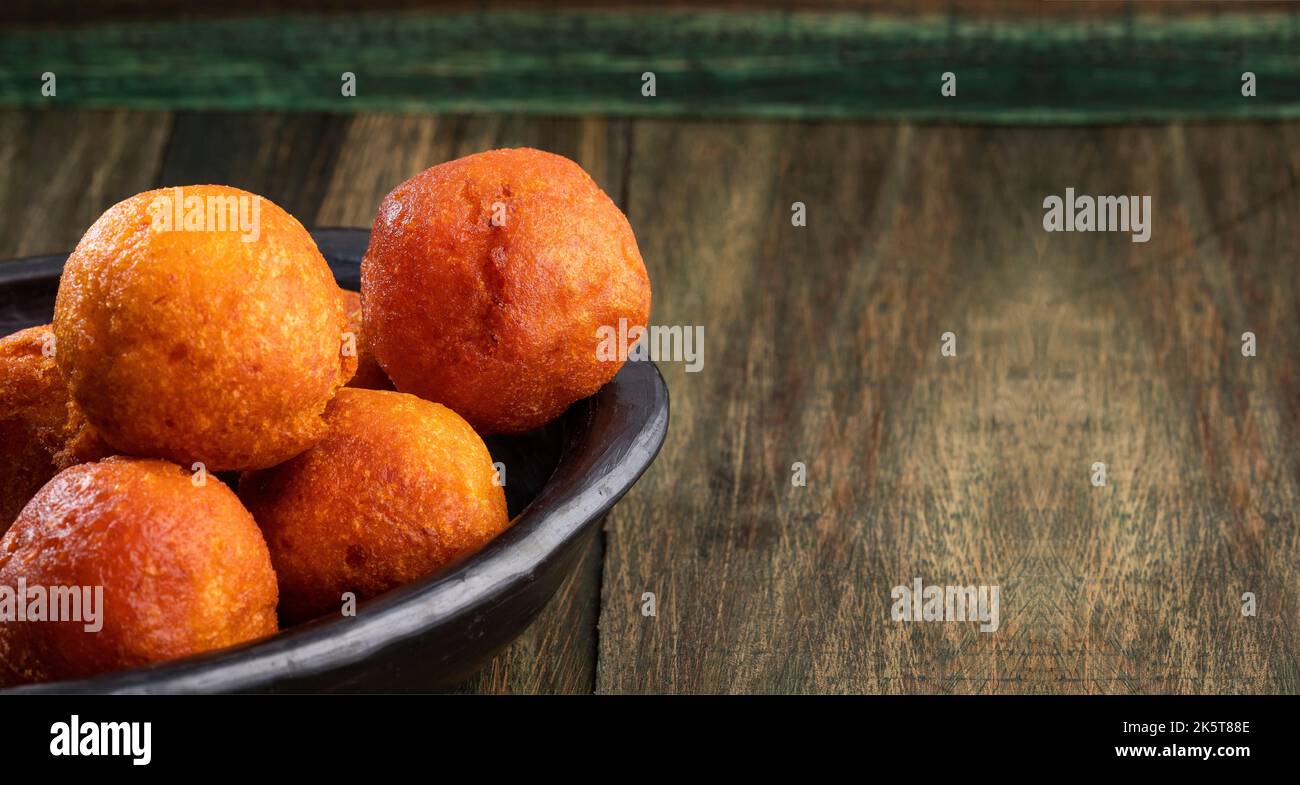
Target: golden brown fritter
[398, 488]
[201, 343]
[488, 279]
[369, 375]
[184, 569]
[41, 430]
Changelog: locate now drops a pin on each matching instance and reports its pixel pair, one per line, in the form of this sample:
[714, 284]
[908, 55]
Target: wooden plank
[1026, 69]
[557, 653]
[822, 346]
[59, 170]
[1072, 349]
[55, 13]
[1233, 268]
[381, 150]
[737, 562]
[287, 158]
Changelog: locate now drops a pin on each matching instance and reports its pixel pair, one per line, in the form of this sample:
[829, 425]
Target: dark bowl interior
[561, 479]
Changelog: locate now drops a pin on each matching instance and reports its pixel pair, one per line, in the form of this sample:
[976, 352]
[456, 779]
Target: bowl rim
[609, 441]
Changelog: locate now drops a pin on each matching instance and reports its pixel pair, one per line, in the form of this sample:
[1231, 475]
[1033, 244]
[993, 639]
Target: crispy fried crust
[369, 375]
[41, 430]
[499, 322]
[398, 488]
[184, 569]
[198, 345]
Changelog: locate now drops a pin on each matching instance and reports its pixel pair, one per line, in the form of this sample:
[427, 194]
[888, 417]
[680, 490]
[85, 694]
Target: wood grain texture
[59, 170]
[286, 158]
[381, 150]
[1019, 69]
[824, 347]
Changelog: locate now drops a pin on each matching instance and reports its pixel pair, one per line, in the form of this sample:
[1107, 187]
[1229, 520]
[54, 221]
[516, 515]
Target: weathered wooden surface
[59, 13]
[822, 346]
[1073, 349]
[1130, 63]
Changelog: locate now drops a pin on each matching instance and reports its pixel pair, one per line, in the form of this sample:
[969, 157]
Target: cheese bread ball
[41, 431]
[187, 335]
[182, 566]
[488, 281]
[398, 488]
[369, 375]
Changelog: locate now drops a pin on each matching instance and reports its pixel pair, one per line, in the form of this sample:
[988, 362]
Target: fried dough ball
[84, 444]
[369, 375]
[488, 280]
[184, 569]
[398, 488]
[41, 430]
[201, 341]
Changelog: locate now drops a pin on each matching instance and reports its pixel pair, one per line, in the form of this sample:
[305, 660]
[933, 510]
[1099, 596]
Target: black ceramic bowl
[560, 481]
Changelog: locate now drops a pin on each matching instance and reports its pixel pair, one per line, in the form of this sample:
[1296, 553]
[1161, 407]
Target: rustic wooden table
[822, 346]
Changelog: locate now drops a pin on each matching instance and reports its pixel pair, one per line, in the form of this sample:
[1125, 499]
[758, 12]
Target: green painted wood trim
[801, 65]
